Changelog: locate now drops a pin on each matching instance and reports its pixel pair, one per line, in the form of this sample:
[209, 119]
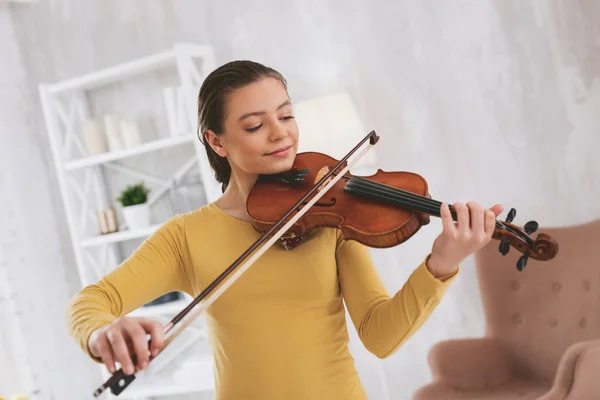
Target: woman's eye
[288, 117]
[254, 129]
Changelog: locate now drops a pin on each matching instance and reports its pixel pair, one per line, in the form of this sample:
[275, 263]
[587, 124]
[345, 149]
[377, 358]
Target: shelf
[125, 153]
[164, 388]
[119, 236]
[120, 72]
[65, 106]
[173, 307]
[115, 73]
[202, 380]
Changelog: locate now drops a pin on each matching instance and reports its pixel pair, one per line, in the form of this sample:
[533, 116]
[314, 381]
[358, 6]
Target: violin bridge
[322, 172]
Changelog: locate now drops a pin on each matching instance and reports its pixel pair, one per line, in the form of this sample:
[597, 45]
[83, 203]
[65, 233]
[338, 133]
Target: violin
[379, 211]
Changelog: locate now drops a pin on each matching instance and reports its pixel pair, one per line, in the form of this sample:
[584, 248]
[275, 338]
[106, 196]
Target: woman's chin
[278, 166]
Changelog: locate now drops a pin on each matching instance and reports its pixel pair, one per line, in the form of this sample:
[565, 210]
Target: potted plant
[136, 209]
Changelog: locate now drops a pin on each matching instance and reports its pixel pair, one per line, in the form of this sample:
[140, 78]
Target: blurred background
[495, 101]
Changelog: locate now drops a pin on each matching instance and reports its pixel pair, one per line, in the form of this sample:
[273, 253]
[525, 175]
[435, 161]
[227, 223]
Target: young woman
[279, 332]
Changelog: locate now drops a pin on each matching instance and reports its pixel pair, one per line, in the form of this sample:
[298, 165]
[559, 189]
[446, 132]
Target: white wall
[495, 101]
[15, 370]
[36, 261]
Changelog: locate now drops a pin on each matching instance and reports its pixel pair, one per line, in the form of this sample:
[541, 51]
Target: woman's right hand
[124, 338]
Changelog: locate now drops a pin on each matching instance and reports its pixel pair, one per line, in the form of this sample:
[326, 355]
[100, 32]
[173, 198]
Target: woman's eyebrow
[250, 114]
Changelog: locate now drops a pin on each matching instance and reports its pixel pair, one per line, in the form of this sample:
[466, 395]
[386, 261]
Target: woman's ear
[216, 142]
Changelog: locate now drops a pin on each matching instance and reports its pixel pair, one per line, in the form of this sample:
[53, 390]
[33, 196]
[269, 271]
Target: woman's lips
[282, 152]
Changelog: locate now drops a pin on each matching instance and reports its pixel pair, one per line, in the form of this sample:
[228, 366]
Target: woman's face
[260, 132]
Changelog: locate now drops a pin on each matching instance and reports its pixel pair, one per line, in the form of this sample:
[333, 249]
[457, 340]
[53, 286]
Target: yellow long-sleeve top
[279, 332]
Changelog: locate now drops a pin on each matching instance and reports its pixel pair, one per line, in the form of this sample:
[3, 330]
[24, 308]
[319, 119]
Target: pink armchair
[542, 327]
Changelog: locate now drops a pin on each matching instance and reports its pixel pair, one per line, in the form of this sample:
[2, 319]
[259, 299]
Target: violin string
[432, 206]
[416, 201]
[418, 205]
[396, 193]
[383, 194]
[410, 199]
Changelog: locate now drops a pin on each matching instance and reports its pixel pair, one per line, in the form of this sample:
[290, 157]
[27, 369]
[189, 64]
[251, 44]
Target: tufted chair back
[539, 312]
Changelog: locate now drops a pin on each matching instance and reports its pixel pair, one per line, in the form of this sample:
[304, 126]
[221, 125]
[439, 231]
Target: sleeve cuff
[441, 278]
[424, 280]
[85, 338]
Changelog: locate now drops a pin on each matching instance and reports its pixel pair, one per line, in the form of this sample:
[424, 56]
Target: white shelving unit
[86, 187]
[121, 154]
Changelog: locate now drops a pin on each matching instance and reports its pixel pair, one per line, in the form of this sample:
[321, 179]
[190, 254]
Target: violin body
[373, 223]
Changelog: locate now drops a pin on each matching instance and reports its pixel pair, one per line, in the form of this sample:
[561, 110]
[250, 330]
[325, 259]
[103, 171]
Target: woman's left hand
[473, 230]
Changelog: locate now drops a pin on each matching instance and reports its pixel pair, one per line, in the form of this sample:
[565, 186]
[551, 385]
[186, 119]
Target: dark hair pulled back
[212, 101]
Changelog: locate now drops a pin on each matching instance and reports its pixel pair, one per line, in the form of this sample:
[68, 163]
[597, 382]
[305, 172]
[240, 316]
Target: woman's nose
[278, 131]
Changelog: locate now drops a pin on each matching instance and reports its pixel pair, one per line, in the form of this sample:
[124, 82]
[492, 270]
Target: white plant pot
[137, 216]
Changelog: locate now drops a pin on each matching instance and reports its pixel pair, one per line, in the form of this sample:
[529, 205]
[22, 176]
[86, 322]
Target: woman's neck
[233, 200]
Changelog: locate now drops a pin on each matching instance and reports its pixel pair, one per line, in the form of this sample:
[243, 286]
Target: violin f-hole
[332, 202]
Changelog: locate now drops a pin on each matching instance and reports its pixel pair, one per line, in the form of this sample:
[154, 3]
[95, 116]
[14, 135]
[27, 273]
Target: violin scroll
[542, 248]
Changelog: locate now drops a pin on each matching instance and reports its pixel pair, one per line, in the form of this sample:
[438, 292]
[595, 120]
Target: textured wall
[36, 261]
[495, 101]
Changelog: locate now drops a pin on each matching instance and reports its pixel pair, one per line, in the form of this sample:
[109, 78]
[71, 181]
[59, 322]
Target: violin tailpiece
[290, 243]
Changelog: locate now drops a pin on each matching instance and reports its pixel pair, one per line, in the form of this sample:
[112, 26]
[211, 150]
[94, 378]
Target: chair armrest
[470, 363]
[578, 373]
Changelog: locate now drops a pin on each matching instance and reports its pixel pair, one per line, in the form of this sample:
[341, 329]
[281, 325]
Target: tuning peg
[522, 262]
[531, 227]
[511, 215]
[504, 247]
